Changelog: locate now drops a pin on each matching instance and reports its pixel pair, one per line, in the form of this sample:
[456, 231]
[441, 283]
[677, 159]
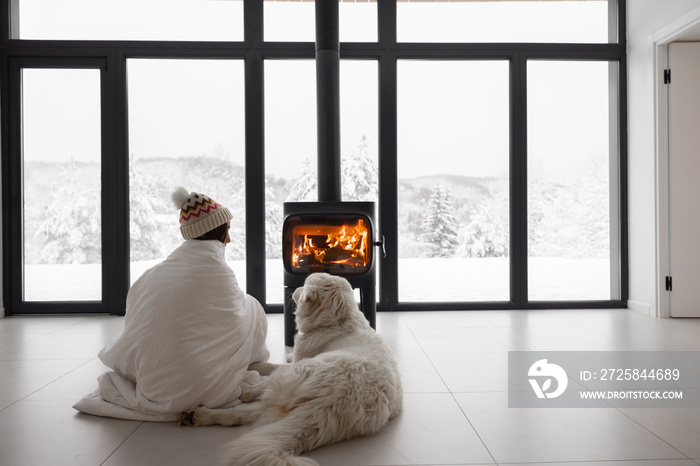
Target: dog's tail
[274, 444]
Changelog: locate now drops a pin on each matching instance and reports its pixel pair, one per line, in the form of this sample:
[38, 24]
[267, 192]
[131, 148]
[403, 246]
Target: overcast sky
[452, 116]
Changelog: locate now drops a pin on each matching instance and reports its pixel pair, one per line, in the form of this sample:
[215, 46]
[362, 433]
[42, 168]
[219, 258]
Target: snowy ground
[421, 280]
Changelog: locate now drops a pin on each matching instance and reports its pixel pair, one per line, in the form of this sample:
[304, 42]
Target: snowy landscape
[453, 231]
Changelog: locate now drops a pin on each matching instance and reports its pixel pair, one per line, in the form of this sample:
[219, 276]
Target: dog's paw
[186, 418]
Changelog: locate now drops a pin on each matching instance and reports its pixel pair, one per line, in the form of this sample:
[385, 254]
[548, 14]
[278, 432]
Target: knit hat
[198, 213]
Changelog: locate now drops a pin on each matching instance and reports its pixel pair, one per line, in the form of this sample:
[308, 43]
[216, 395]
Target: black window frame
[111, 57]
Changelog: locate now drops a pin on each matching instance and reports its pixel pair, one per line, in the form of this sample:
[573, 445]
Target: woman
[190, 333]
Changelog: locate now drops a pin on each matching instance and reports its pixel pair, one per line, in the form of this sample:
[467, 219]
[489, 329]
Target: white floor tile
[73, 385]
[22, 378]
[17, 330]
[39, 433]
[610, 317]
[107, 326]
[558, 435]
[655, 337]
[679, 427]
[41, 325]
[401, 340]
[535, 318]
[467, 340]
[418, 375]
[430, 430]
[444, 319]
[473, 372]
[167, 444]
[390, 320]
[58, 345]
[565, 338]
[5, 403]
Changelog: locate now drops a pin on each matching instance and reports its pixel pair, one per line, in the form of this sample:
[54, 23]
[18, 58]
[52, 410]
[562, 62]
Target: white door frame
[659, 42]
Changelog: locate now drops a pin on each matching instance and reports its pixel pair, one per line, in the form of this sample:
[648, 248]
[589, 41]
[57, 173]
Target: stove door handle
[382, 243]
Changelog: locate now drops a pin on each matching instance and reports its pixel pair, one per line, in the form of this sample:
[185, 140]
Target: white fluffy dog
[343, 383]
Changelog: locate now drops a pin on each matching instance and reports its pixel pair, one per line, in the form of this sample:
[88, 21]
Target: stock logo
[542, 373]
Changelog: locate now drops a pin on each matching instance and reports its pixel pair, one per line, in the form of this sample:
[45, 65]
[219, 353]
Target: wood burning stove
[328, 236]
[331, 237]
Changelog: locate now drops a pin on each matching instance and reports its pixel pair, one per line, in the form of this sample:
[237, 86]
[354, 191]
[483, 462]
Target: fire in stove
[319, 246]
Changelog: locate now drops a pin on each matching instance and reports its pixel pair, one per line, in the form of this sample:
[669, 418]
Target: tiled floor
[454, 367]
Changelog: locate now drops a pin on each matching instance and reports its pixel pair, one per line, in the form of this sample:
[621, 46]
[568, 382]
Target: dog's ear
[305, 294]
[299, 296]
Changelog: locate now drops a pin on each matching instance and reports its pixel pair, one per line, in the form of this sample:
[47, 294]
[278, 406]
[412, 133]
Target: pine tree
[305, 187]
[273, 225]
[359, 174]
[486, 234]
[440, 236]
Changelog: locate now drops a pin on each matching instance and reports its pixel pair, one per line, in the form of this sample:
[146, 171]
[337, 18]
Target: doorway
[677, 66]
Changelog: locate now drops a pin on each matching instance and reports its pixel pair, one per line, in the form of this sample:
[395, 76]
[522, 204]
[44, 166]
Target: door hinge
[669, 284]
[667, 76]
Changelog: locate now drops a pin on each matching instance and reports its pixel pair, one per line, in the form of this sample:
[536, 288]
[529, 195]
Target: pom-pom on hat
[198, 213]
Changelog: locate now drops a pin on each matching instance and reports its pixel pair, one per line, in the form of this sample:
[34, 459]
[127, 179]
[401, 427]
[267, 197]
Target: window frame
[112, 56]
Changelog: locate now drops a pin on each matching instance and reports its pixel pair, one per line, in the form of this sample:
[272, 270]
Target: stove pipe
[328, 101]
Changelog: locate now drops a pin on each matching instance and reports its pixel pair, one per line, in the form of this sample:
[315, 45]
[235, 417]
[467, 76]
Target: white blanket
[189, 335]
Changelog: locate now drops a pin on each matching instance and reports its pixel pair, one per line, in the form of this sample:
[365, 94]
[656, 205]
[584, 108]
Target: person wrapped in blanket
[190, 333]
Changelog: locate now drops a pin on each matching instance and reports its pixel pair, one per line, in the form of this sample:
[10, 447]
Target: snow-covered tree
[273, 225]
[145, 230]
[570, 218]
[359, 174]
[486, 232]
[305, 188]
[440, 237]
[235, 202]
[71, 229]
[359, 177]
[485, 236]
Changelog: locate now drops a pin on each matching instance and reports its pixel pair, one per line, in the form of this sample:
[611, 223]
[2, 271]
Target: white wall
[644, 17]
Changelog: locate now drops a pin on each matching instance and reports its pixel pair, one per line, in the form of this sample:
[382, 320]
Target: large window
[504, 21]
[61, 202]
[488, 134]
[453, 155]
[569, 189]
[198, 20]
[186, 128]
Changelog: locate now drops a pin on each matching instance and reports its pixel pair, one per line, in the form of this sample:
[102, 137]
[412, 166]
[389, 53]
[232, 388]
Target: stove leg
[290, 327]
[368, 304]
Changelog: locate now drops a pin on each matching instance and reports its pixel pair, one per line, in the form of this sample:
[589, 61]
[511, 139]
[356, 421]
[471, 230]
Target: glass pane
[359, 137]
[359, 126]
[194, 20]
[62, 185]
[290, 154]
[507, 21]
[290, 144]
[453, 146]
[186, 128]
[568, 181]
[294, 21]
